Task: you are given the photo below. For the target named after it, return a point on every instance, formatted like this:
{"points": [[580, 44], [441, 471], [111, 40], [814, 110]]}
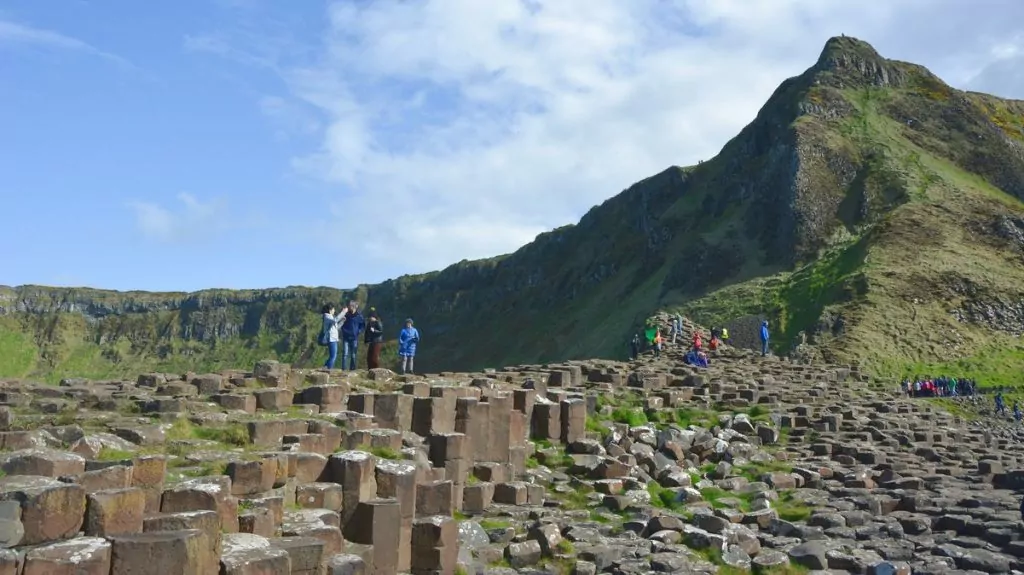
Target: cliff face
{"points": [[858, 180]]}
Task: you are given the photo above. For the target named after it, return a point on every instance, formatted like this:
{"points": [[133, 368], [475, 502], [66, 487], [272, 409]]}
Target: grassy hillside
{"points": [[935, 284], [112, 337], [869, 210]]}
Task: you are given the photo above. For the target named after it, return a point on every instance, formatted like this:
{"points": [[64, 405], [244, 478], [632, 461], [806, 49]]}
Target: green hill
{"points": [[869, 210]]}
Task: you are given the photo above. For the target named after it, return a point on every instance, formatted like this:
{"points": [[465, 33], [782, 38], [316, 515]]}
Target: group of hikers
{"points": [[654, 341], [1001, 407], [938, 387], [953, 387], [346, 327], [696, 355]]}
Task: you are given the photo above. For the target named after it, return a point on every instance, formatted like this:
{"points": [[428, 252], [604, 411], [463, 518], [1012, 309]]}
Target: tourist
{"points": [[374, 340], [657, 343], [634, 347], [350, 330], [696, 358], [764, 338], [697, 344], [329, 334], [407, 340], [1000, 406]]}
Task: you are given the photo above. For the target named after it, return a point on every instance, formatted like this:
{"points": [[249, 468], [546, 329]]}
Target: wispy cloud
{"points": [[464, 128], [14, 33], [166, 224]]}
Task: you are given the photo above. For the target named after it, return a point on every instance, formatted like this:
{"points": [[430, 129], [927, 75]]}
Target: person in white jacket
{"points": [[329, 334]]}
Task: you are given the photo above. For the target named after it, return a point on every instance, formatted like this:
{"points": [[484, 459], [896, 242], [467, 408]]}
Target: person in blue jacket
{"points": [[764, 338], [407, 340], [350, 330]]}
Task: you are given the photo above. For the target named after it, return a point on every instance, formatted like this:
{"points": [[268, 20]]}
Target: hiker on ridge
{"points": [[764, 338], [407, 340], [350, 330], [329, 334], [374, 340]]}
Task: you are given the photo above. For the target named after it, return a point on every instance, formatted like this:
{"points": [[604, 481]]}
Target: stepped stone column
{"points": [[354, 471], [573, 419], [435, 546], [393, 411], [472, 418], [397, 480], [377, 522], [547, 421], [500, 437], [451, 452]]}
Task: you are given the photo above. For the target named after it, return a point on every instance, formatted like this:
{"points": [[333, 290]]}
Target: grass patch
{"points": [[577, 499], [663, 497], [207, 468], [754, 471], [596, 426], [490, 524], [555, 458], [687, 416], [234, 434], [381, 452], [110, 454], [634, 417], [790, 509], [721, 499]]}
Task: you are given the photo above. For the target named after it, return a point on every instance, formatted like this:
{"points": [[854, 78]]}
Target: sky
{"points": [[260, 143]]}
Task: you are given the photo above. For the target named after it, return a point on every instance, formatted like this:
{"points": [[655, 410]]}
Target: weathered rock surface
{"points": [[589, 467]]}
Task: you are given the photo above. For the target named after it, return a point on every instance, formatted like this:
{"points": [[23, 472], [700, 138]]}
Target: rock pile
{"points": [[755, 464]]}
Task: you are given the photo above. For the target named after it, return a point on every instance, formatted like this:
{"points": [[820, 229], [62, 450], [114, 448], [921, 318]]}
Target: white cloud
{"points": [[467, 127], [160, 223], [14, 33]]}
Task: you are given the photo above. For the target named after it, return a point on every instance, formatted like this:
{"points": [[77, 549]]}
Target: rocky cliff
{"points": [[868, 203]]}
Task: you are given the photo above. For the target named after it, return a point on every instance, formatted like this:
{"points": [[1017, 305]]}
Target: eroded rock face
{"points": [[591, 466]]}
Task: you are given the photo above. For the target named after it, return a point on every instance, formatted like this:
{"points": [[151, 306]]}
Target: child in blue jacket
{"points": [[407, 340]]}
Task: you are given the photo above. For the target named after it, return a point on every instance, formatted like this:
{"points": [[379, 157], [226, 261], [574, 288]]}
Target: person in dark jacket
{"points": [[634, 347], [350, 330], [374, 340]]}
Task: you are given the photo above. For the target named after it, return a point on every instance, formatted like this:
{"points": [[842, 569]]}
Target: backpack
{"points": [[324, 338]]}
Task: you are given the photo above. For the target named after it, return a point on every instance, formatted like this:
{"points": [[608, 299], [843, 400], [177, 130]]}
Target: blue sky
{"points": [[255, 143]]}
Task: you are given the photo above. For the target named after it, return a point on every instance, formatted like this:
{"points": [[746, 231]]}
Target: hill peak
{"points": [[846, 61], [839, 49]]}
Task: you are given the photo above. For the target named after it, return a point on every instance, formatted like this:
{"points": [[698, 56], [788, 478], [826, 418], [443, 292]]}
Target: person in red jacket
{"points": [[696, 340]]}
